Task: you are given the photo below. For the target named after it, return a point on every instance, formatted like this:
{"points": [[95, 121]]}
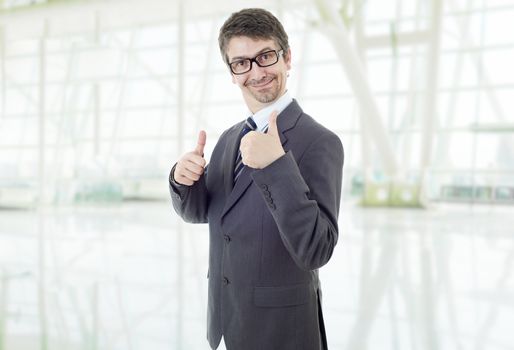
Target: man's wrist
{"points": [[172, 177], [274, 160]]}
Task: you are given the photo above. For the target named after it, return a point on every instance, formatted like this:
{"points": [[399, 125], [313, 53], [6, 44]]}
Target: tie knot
{"points": [[249, 125]]}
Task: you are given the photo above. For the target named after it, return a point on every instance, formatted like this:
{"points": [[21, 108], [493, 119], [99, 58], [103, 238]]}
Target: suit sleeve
{"points": [[190, 202], [304, 200]]}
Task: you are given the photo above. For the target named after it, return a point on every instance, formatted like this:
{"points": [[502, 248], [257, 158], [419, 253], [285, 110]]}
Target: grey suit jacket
{"points": [[269, 234]]}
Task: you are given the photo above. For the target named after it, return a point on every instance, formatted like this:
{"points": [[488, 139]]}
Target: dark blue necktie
{"points": [[248, 126]]}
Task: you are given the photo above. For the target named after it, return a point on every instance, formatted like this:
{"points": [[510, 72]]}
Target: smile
{"points": [[263, 84]]}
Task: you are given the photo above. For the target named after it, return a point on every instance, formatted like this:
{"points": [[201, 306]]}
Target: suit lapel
{"points": [[240, 187], [286, 121], [229, 157]]}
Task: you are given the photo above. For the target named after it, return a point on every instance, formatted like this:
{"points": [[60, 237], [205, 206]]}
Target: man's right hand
{"points": [[191, 166]]}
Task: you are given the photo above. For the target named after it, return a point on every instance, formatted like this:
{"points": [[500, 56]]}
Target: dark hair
{"points": [[254, 23]]}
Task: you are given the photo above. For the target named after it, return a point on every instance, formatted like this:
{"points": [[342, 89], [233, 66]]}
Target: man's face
{"points": [[260, 86]]}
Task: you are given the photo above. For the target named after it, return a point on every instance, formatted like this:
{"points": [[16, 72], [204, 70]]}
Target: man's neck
{"points": [[261, 106], [261, 117]]}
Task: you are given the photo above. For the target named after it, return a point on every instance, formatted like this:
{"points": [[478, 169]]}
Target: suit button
{"points": [[264, 187], [226, 238], [225, 281]]}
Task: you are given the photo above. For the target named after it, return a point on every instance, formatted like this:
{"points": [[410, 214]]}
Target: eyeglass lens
{"points": [[265, 59]]}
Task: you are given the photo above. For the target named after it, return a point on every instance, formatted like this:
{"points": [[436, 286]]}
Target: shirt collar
{"points": [[261, 118]]}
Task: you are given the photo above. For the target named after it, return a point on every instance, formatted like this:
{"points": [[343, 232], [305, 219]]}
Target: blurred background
{"points": [[99, 98]]}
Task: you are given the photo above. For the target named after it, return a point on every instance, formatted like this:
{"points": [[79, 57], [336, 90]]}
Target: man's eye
{"points": [[240, 63]]}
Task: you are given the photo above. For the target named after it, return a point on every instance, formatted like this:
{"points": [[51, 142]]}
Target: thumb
{"points": [[200, 145], [272, 124]]}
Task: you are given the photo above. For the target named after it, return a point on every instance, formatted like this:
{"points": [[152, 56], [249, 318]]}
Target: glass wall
{"points": [[93, 115]]}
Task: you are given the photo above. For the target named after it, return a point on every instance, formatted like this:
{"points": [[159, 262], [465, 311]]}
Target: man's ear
{"points": [[287, 59]]}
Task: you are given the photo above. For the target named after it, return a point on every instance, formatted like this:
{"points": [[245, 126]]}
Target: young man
{"points": [[271, 196]]}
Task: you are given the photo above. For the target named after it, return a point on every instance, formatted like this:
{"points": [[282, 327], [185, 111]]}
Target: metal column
{"points": [[180, 146], [338, 35], [2, 72], [42, 192], [430, 116]]}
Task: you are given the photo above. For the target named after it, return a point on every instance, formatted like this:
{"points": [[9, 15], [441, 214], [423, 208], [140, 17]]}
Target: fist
{"points": [[259, 150], [191, 165]]}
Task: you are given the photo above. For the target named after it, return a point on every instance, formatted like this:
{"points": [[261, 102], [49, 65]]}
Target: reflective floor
{"points": [[133, 277]]}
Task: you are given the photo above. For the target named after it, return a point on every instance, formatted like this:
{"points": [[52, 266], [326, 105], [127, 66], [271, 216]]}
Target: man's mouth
{"points": [[263, 83]]}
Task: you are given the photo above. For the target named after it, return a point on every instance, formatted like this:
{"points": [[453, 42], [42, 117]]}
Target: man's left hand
{"points": [[259, 150]]}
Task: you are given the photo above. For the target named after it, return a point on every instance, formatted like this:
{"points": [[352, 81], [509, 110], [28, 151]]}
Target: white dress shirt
{"points": [[261, 118]]}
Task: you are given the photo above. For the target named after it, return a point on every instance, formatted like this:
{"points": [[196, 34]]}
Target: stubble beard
{"points": [[267, 96]]}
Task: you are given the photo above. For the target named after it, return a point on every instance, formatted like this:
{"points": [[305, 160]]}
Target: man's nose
{"points": [[257, 73]]}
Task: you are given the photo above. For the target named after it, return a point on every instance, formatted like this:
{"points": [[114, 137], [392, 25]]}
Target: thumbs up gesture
{"points": [[192, 164], [259, 150]]}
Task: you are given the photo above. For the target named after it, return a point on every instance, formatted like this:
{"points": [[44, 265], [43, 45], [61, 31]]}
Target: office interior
{"points": [[99, 98]]}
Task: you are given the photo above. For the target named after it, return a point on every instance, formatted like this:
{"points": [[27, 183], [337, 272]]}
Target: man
{"points": [[271, 198]]}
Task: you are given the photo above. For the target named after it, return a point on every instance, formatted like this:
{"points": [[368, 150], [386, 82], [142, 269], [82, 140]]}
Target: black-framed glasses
{"points": [[264, 59]]}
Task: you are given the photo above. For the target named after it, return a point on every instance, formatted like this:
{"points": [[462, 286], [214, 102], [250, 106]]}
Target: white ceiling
{"points": [[79, 16]]}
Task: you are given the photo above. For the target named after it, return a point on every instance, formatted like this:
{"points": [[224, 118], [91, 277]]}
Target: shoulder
{"points": [[316, 129], [321, 139], [230, 133], [311, 131]]}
